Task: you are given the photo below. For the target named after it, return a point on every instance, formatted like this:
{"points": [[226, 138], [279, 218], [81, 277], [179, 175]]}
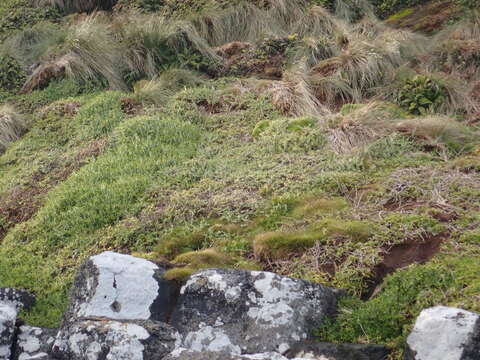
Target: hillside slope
{"points": [[274, 136]]}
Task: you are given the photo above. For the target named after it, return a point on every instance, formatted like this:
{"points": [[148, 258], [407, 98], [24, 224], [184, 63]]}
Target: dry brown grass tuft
{"points": [[12, 126]]}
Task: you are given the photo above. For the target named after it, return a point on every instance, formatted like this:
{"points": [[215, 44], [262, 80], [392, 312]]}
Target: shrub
{"points": [[421, 95], [12, 75], [18, 14]]}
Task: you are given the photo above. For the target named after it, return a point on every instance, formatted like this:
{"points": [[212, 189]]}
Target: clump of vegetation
{"points": [[19, 14], [387, 318], [12, 75], [12, 126], [439, 131], [197, 260], [283, 244], [421, 95]]}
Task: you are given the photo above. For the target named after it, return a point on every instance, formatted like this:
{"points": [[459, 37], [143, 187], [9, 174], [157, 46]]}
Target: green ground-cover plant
{"points": [[421, 95]]}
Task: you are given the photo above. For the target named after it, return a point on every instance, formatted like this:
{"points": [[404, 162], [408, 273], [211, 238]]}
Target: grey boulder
{"points": [[34, 343], [444, 333], [17, 298], [8, 318], [183, 354], [121, 287], [323, 350], [249, 312], [114, 340]]}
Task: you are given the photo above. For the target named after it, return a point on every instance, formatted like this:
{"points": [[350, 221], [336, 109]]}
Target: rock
{"points": [[114, 340], [19, 299], [183, 354], [8, 318], [121, 287], [444, 333], [322, 350], [240, 312], [34, 343]]}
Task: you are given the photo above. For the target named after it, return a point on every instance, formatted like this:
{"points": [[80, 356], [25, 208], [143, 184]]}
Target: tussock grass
{"points": [[12, 126], [35, 44], [92, 54], [153, 43], [158, 90], [438, 130]]}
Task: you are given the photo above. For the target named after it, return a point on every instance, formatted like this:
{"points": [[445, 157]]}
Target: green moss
{"points": [[300, 123], [280, 245], [179, 274], [315, 205], [400, 15], [349, 108], [179, 241], [203, 259]]}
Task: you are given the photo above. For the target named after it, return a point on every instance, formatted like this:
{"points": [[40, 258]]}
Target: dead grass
{"points": [[12, 126]]}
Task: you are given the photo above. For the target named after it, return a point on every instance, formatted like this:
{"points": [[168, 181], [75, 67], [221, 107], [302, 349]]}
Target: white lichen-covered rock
{"points": [[8, 318], [445, 333], [33, 343], [20, 299], [121, 287], [244, 312], [114, 340]]}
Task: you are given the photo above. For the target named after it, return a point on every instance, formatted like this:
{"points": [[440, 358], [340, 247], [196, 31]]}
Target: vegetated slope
{"points": [[279, 137]]}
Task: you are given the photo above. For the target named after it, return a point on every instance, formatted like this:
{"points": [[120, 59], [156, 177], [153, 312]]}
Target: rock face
{"points": [[183, 354], [321, 350], [114, 340], [121, 308], [445, 333], [8, 317], [242, 312], [16, 298], [34, 343], [121, 287]]}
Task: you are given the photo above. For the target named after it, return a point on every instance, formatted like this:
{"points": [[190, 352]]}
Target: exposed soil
{"points": [[399, 256], [427, 18], [131, 106]]}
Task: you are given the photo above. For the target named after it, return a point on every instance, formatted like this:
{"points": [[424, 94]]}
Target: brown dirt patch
{"points": [[428, 17], [399, 256], [232, 48], [131, 106]]}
